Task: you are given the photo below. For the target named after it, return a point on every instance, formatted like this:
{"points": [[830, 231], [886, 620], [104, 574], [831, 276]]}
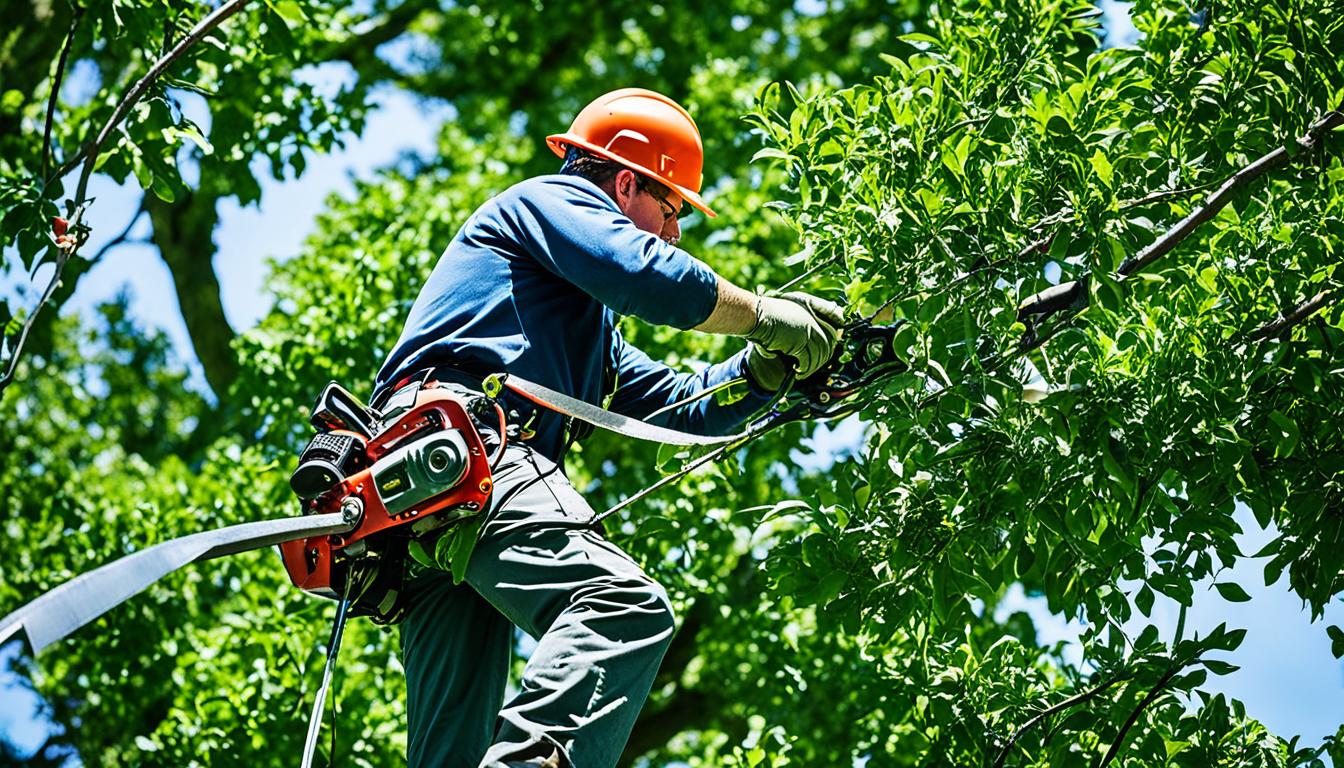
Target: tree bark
{"points": [[184, 231]]}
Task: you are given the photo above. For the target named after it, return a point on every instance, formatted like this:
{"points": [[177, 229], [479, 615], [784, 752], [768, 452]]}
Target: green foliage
{"points": [[241, 78]]}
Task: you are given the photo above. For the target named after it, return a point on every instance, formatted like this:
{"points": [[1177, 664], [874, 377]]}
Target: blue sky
{"points": [[1288, 678]]}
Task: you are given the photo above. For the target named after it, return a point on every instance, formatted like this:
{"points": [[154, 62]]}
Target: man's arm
{"points": [[792, 333], [734, 311], [644, 385]]}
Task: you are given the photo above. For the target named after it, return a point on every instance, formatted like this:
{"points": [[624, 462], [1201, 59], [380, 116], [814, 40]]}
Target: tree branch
{"points": [[128, 101], [1296, 315], [1134, 716], [62, 257], [1220, 198], [1060, 707], [56, 89], [359, 48], [124, 236], [183, 231], [87, 156], [1067, 295]]}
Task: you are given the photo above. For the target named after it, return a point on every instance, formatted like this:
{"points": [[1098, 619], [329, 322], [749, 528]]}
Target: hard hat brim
{"points": [[557, 144]]}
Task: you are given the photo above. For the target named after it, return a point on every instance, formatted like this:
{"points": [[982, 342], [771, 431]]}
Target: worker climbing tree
{"points": [[994, 303]]}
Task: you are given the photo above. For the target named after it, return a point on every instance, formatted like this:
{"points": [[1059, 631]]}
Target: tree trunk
{"points": [[184, 232]]}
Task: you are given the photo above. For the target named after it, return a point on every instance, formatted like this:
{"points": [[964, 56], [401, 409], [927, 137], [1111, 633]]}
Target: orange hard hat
{"points": [[644, 131]]}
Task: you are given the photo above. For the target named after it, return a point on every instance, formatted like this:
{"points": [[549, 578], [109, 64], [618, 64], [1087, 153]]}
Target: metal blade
{"points": [[62, 610]]}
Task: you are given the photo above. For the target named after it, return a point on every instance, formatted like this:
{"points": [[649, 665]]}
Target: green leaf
{"points": [[290, 11], [1102, 166], [1287, 436], [1114, 469], [162, 188], [732, 393], [1220, 667], [1232, 592], [192, 134], [817, 550], [1336, 640], [1221, 639], [1144, 600], [1174, 747], [771, 152], [830, 587], [919, 40]]}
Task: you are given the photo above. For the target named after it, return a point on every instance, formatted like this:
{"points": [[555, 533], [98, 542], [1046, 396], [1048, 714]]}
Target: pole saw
{"points": [[372, 480]]}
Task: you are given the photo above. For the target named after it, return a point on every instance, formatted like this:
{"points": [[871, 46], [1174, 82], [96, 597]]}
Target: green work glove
{"points": [[767, 369], [794, 331]]}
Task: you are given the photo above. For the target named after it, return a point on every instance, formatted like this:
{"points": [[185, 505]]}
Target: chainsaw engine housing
{"points": [[424, 468]]}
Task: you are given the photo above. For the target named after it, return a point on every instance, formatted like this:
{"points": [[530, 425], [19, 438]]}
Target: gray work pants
{"points": [[601, 625]]}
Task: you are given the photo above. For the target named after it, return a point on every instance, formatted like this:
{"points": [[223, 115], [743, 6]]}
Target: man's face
{"points": [[647, 210]]}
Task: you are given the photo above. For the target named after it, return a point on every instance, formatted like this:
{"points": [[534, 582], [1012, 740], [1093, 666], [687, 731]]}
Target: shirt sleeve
{"points": [[575, 231], [644, 386]]}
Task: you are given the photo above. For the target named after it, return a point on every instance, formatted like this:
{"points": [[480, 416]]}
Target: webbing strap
{"points": [[598, 417], [62, 610]]}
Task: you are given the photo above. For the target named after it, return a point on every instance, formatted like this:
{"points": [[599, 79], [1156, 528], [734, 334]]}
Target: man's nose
{"points": [[672, 230]]}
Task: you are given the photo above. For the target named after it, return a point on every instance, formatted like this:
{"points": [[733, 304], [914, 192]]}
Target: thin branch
{"points": [[121, 238], [89, 154], [28, 322], [56, 89], [1296, 315], [1066, 215], [205, 27], [1060, 707], [1134, 716], [1164, 194]]}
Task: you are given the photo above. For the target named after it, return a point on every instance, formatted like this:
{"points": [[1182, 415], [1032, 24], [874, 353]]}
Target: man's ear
{"points": [[625, 187]]}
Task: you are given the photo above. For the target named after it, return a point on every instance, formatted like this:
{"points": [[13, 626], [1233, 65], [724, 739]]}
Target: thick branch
{"points": [[1219, 199], [360, 48], [1067, 295]]}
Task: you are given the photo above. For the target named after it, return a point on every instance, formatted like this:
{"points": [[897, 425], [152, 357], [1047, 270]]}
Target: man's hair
{"points": [[600, 170]]}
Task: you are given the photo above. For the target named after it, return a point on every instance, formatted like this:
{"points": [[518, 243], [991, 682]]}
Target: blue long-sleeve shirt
{"points": [[532, 284]]}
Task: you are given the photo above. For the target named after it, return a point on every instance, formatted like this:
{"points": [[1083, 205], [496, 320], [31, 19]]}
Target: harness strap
{"points": [[598, 417]]}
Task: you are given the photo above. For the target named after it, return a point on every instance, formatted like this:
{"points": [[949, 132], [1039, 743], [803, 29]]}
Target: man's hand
{"points": [[794, 332], [767, 369]]}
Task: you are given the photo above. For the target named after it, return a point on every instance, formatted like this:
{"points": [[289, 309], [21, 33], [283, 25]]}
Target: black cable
{"points": [[335, 689]]}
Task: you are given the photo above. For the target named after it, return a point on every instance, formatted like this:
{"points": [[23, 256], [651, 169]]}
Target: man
{"points": [[532, 285]]}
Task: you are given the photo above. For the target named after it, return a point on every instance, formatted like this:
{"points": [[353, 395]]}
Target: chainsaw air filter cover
{"points": [[329, 457]]}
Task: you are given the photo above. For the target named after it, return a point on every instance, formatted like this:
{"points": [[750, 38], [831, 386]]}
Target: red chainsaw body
{"points": [[436, 413]]}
